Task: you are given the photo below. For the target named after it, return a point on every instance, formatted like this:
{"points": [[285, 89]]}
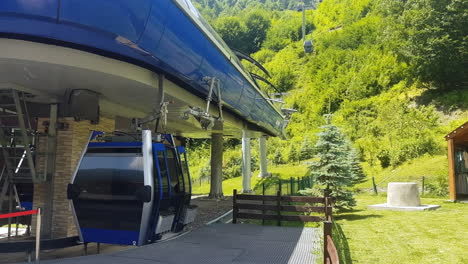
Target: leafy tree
{"points": [[435, 40], [244, 33], [257, 24], [332, 168], [232, 164], [233, 31]]}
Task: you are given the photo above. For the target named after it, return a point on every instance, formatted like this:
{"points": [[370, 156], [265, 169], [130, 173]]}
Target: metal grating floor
{"points": [[222, 243]]}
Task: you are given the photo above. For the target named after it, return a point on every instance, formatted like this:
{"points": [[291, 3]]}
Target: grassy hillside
{"points": [[434, 169], [392, 73]]}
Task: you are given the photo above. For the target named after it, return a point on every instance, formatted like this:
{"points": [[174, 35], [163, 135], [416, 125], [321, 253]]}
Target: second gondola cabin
{"points": [[130, 190]]}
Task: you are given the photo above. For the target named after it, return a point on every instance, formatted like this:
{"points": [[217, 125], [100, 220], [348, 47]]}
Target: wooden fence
{"points": [[273, 207]]}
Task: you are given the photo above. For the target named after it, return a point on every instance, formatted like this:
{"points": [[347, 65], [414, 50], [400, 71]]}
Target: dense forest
{"points": [[392, 73]]}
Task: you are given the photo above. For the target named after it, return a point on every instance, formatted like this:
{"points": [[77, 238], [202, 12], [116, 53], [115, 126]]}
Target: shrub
{"points": [[439, 187]]}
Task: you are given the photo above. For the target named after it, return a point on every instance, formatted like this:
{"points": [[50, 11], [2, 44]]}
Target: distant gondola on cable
{"points": [[131, 189]]}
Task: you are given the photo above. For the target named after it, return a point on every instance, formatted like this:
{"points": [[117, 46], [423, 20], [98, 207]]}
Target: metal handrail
{"points": [[38, 211]]}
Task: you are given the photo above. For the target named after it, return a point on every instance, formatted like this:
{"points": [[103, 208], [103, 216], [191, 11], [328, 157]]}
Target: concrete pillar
{"points": [[216, 186], [262, 144], [70, 143], [246, 168]]}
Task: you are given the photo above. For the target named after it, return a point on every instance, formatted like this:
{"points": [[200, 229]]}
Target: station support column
{"points": [[262, 144], [246, 166], [217, 141]]}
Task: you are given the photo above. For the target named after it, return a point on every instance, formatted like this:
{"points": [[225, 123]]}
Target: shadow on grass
{"points": [[341, 243], [352, 217], [270, 184]]}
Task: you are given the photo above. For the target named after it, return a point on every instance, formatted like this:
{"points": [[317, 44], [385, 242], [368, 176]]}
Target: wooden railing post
{"points": [[422, 186], [235, 210], [325, 204], [327, 231], [374, 186], [328, 209], [278, 205], [291, 182]]}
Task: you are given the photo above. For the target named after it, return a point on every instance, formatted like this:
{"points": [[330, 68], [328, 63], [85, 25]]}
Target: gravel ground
{"points": [[207, 210]]}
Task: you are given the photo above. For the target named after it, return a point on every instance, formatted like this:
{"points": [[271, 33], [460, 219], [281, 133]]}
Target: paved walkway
{"points": [[221, 243]]}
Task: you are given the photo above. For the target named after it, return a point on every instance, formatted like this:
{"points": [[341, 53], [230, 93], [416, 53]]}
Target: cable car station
{"points": [[95, 112]]}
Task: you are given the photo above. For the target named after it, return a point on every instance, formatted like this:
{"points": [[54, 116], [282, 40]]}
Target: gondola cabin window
{"points": [[163, 171], [185, 171], [177, 181], [108, 184]]}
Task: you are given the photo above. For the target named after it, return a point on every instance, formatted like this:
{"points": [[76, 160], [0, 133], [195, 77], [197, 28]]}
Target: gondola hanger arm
{"points": [[203, 116]]}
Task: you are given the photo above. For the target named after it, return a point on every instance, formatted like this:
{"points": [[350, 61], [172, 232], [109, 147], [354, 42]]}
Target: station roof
{"points": [[459, 135]]}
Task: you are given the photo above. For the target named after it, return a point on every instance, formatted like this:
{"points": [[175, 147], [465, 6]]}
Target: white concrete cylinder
{"points": [[246, 168], [263, 157], [403, 194]]}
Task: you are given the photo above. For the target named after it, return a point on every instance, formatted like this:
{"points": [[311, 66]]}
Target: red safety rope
{"points": [[18, 214]]}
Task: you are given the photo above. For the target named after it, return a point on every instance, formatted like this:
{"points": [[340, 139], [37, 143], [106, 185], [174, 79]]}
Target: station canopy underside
{"points": [[53, 74]]}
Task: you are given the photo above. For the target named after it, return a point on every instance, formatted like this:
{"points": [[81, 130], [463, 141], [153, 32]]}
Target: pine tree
{"points": [[293, 154], [332, 169], [357, 173], [306, 150], [278, 158]]}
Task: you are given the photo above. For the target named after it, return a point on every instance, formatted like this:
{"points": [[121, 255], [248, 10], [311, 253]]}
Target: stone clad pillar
{"points": [[246, 168], [71, 139], [262, 144]]}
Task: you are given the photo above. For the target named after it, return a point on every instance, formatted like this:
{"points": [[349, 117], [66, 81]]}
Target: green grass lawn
{"points": [[369, 236]]}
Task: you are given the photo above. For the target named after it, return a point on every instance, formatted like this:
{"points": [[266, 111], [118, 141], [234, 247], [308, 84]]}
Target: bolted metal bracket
{"points": [[159, 113], [206, 120], [203, 116], [59, 125]]}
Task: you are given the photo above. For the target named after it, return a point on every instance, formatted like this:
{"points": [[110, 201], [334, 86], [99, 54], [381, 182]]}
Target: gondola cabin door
{"points": [[112, 192], [130, 193], [174, 198]]}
